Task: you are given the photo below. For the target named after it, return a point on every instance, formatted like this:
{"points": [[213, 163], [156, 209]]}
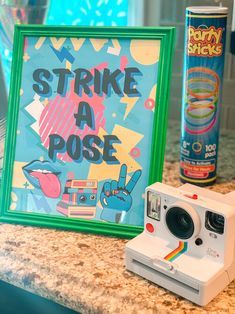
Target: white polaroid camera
{"points": [[188, 242]]}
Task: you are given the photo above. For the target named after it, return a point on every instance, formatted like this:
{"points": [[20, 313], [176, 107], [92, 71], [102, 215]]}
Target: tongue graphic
{"points": [[49, 182]]}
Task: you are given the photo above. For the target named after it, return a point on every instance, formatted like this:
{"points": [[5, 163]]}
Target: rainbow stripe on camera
{"points": [[181, 249]]}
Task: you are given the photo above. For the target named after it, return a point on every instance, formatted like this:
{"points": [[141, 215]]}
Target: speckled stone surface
{"points": [[87, 273]]}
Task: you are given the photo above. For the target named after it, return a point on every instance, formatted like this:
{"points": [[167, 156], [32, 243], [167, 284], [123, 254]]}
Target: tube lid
{"points": [[208, 9]]}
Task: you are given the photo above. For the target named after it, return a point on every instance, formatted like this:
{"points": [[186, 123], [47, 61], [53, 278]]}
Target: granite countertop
{"points": [[86, 272]]}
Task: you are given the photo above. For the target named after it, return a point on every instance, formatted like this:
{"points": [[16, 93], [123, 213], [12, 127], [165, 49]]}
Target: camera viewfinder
{"points": [[153, 205], [214, 222]]}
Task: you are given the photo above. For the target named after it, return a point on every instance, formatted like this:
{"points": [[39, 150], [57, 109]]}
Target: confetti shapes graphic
{"points": [[116, 49], [150, 101], [35, 109], [98, 43], [145, 52], [88, 12], [63, 54], [130, 103]]}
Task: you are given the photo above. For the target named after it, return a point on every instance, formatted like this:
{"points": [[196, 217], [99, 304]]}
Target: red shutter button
{"points": [[149, 227], [193, 197]]}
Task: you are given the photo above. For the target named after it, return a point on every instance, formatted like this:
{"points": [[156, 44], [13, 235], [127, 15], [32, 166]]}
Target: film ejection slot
{"points": [[153, 205]]}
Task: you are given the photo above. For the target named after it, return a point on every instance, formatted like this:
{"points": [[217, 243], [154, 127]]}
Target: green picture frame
{"points": [[21, 139]]}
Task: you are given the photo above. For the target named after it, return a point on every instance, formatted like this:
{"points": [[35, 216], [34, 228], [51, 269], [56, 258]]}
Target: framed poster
{"points": [[86, 126]]}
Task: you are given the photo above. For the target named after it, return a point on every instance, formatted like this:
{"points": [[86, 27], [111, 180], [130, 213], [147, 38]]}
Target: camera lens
{"points": [[215, 222], [82, 198], [180, 223]]}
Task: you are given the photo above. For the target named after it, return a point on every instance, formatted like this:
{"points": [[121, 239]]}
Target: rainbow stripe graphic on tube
{"points": [[202, 100], [205, 34]]}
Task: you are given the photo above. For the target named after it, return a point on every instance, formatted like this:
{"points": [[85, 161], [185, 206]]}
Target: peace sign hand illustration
{"points": [[116, 195]]}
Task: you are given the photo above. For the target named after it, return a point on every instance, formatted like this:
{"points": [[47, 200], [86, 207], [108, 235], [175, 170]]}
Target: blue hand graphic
{"points": [[116, 195]]}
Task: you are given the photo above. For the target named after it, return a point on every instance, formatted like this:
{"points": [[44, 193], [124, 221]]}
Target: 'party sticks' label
{"points": [[205, 42]]}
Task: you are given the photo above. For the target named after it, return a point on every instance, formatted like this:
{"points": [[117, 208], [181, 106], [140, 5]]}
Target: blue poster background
{"points": [[129, 118]]}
